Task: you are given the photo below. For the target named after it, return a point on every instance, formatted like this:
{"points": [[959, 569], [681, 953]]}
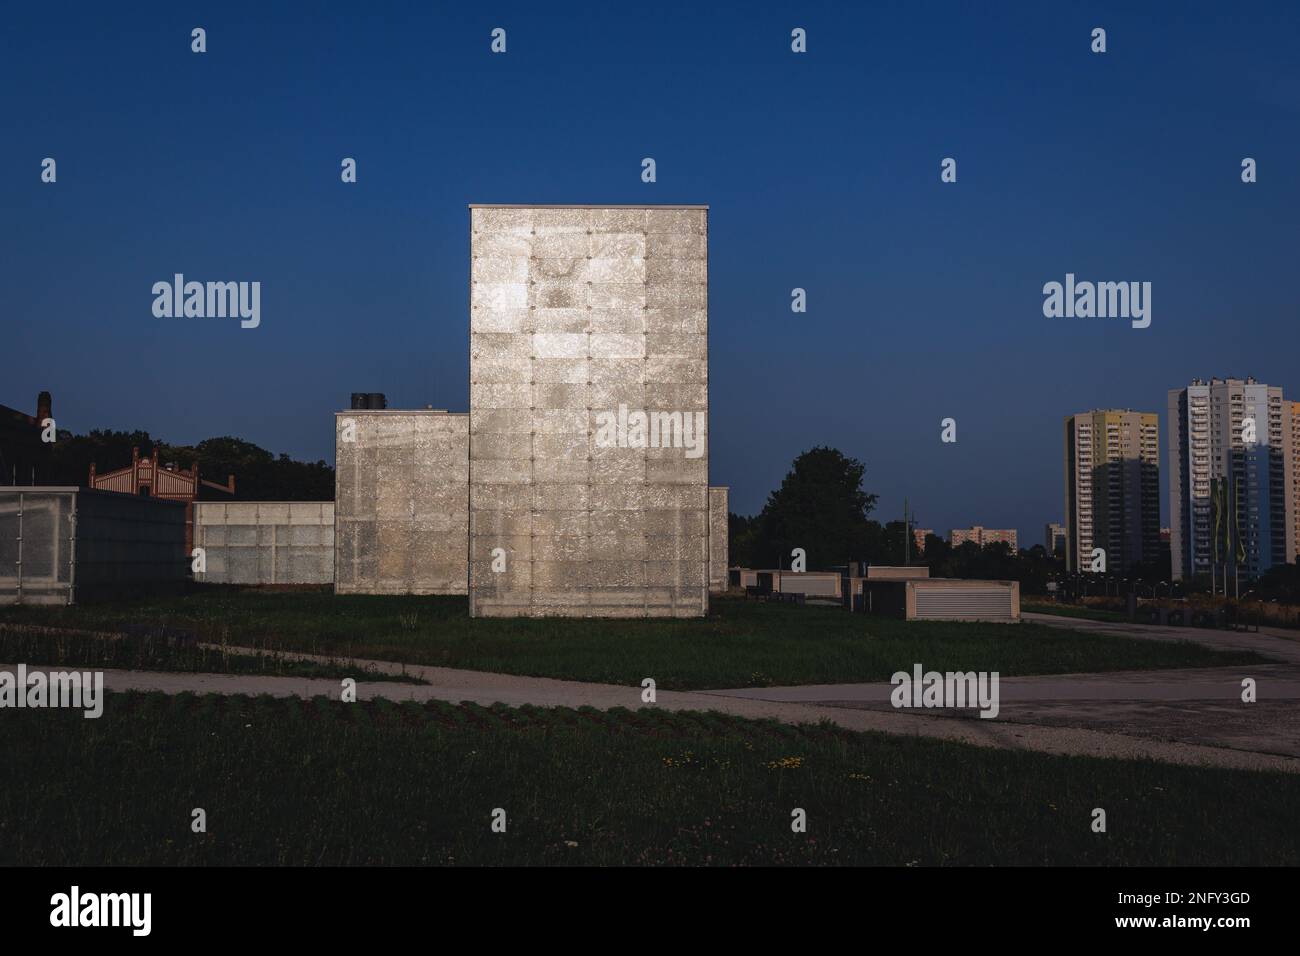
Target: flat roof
{"points": [[398, 411], [8, 490], [35, 488], [262, 501], [567, 205]]}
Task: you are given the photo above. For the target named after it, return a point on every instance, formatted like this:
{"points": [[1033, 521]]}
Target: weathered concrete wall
{"points": [[718, 541], [401, 496], [265, 542], [575, 312]]}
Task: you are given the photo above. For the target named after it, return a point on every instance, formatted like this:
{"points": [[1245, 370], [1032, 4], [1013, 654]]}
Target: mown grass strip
{"points": [[740, 644], [345, 784]]}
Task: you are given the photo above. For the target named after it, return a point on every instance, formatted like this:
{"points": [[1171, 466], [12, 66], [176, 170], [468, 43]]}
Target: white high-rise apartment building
{"points": [[1291, 424], [1238, 433]]}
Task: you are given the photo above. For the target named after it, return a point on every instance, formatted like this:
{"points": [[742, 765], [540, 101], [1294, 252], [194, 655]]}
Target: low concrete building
{"points": [[401, 496], [813, 584], [942, 599], [265, 542], [949, 599], [903, 592], [65, 545], [885, 572]]}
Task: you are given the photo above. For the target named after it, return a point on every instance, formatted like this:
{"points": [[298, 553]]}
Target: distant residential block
{"points": [[1054, 538], [1112, 488], [983, 536], [1291, 410], [1236, 436]]}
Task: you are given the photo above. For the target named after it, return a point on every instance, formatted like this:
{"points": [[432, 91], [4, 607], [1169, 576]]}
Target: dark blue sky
{"points": [[822, 171]]}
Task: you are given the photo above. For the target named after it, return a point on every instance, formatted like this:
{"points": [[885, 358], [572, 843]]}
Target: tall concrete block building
{"points": [[1055, 538], [1112, 488], [588, 458], [401, 515], [1291, 425], [1234, 432]]}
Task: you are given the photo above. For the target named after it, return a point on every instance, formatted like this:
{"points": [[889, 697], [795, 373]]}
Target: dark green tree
{"points": [[742, 533], [107, 449], [938, 553], [259, 475], [821, 507]]}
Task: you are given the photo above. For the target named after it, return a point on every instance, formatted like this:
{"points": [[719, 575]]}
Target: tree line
{"points": [[259, 474], [823, 507]]}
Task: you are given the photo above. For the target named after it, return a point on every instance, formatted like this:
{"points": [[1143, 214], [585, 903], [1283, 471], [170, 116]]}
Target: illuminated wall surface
{"points": [[265, 542], [718, 508], [401, 518], [575, 312]]}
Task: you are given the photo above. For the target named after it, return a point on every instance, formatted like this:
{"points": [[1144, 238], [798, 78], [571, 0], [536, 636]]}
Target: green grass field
{"points": [[740, 643], [158, 653], [322, 782], [1075, 610]]}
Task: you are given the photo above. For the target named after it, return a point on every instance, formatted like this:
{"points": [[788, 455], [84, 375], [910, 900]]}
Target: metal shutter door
{"points": [[948, 604]]}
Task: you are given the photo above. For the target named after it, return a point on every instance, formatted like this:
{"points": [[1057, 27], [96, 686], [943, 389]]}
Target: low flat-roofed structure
{"points": [[66, 545], [884, 572], [953, 599], [938, 599], [813, 584]]}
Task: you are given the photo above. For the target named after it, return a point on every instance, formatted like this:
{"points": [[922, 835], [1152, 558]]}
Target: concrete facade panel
{"points": [[718, 538], [402, 489], [613, 324], [265, 542]]}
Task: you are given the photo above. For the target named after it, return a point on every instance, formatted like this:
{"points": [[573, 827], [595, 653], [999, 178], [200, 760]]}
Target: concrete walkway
{"points": [[841, 705], [1197, 707], [1273, 682]]}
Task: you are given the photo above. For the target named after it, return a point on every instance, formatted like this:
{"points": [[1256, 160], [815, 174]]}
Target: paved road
{"points": [[452, 685], [1196, 706], [1272, 681]]}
